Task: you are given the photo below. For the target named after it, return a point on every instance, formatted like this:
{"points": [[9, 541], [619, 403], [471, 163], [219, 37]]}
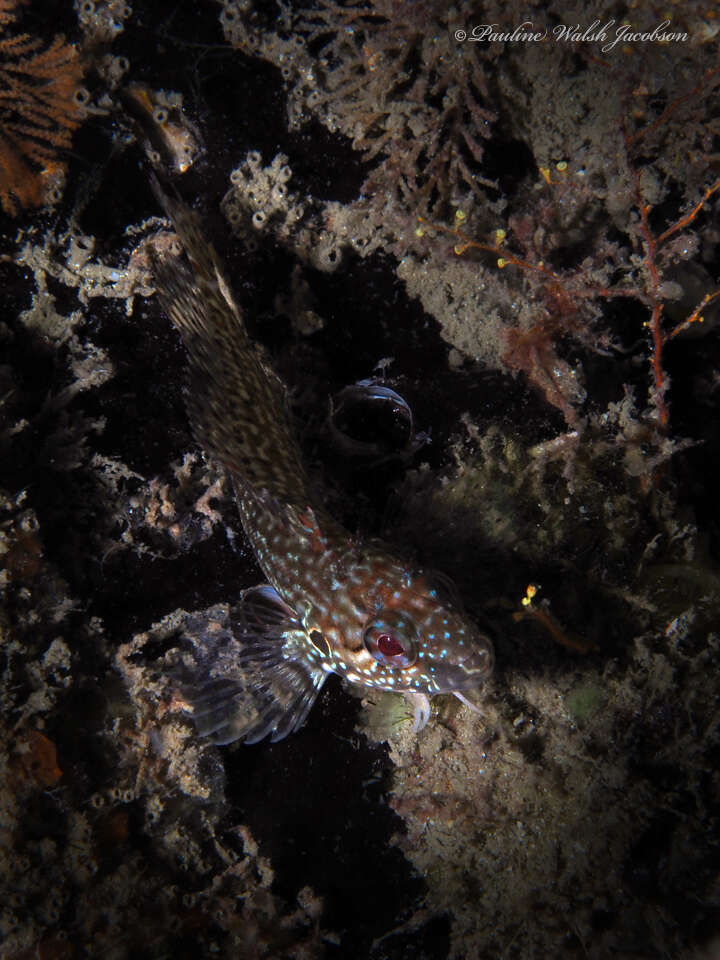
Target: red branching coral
{"points": [[566, 301], [38, 113]]}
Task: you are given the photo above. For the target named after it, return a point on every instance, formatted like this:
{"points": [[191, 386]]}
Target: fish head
{"points": [[429, 648], [412, 640]]}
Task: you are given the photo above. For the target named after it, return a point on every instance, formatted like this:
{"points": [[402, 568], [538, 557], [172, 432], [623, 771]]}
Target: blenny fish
{"points": [[333, 602]]}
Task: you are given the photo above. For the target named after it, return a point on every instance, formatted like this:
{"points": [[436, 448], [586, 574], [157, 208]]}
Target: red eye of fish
{"points": [[392, 639], [388, 645]]}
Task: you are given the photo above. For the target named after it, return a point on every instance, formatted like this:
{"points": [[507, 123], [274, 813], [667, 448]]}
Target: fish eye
{"points": [[392, 639]]}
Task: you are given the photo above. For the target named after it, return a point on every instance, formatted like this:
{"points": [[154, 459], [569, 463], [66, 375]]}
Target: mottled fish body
{"points": [[332, 603]]}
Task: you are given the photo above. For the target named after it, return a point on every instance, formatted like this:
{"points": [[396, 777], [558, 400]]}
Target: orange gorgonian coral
{"points": [[39, 111]]}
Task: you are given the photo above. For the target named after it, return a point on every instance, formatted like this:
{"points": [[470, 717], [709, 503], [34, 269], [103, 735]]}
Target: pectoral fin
{"points": [[255, 677]]}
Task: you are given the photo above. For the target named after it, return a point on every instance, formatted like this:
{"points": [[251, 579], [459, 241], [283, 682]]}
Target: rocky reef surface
{"points": [[517, 235]]}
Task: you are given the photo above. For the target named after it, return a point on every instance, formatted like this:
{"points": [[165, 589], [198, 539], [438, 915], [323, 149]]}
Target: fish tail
{"points": [[236, 405]]}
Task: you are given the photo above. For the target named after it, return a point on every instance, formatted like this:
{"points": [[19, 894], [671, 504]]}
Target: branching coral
{"points": [[565, 299], [623, 183], [389, 76], [392, 77], [40, 107]]}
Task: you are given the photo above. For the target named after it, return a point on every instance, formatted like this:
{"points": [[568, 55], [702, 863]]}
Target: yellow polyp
{"points": [[530, 592], [561, 165], [502, 262], [500, 235], [700, 319], [545, 171], [420, 232], [460, 215], [460, 248]]}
